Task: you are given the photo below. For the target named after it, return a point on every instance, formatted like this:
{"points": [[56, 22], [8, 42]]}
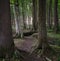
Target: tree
{"points": [[17, 17], [35, 14], [50, 15], [42, 31], [18, 21], [56, 24], [6, 39], [24, 13]]}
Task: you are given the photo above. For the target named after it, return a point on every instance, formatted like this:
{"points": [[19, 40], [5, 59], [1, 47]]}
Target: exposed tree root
{"points": [[46, 51]]}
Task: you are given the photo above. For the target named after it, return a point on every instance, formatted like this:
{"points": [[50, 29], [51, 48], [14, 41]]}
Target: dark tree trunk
{"points": [[35, 26], [6, 40], [56, 24], [42, 32], [50, 15]]}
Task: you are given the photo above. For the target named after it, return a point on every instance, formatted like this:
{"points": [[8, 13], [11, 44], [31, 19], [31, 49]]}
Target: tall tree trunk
{"points": [[56, 24], [6, 40], [16, 21], [17, 16], [35, 14], [50, 15], [24, 14], [42, 32]]}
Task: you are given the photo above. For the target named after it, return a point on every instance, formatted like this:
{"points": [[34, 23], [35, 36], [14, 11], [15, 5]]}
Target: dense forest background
{"points": [[30, 30]]}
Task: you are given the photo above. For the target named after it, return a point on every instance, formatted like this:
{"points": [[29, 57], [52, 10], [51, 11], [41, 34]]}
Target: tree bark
{"points": [[56, 24], [17, 16], [50, 15], [16, 22], [42, 31], [24, 14], [6, 39], [35, 26]]}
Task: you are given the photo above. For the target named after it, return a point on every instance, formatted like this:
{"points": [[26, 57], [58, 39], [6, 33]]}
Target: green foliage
{"points": [[59, 58], [12, 1], [24, 6]]}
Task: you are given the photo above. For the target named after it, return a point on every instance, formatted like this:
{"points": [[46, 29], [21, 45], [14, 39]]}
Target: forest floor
{"points": [[29, 44]]}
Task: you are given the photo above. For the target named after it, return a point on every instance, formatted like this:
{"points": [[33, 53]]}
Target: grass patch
{"points": [[53, 35], [56, 38]]}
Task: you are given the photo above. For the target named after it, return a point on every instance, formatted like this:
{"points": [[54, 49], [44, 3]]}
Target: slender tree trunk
{"points": [[6, 40], [16, 22], [29, 21], [35, 15], [23, 15], [17, 16], [56, 24], [50, 15]]}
